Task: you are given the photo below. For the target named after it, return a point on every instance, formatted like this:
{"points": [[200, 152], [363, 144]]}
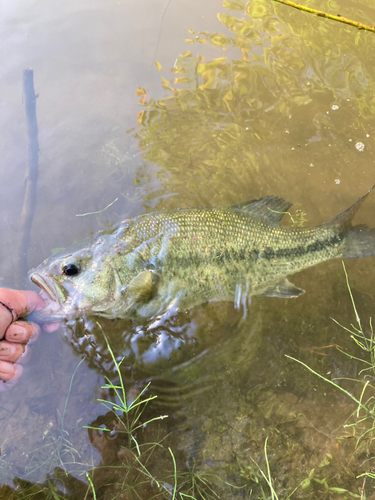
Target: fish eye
{"points": [[71, 268]]}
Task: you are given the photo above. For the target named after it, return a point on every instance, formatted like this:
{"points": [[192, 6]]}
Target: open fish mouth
{"points": [[53, 295], [46, 285]]}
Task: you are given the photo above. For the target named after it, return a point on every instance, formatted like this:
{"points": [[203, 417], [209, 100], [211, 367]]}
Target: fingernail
{"points": [[18, 333], [7, 351]]}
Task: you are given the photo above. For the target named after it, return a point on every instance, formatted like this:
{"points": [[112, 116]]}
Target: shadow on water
{"points": [[278, 102]]}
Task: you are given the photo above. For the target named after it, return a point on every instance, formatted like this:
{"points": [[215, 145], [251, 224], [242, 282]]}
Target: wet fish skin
{"points": [[188, 257]]}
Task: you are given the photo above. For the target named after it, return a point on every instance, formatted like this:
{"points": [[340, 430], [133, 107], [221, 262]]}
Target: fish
{"points": [[143, 266]]}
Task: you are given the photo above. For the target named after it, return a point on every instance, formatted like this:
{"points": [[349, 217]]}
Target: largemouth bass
{"points": [[187, 257]]}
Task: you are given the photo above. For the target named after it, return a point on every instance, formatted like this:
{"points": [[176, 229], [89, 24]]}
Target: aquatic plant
{"points": [[267, 476], [127, 414], [57, 449], [129, 474], [361, 423], [196, 484], [135, 472]]}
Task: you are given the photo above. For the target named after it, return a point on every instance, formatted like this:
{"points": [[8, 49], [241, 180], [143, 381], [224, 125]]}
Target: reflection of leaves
{"points": [[234, 4], [225, 117]]}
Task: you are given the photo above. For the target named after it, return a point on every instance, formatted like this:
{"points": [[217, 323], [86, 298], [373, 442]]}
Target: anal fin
{"points": [[284, 290]]}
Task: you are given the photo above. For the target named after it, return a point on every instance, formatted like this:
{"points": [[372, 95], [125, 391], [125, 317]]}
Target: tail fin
{"points": [[345, 219], [359, 241]]}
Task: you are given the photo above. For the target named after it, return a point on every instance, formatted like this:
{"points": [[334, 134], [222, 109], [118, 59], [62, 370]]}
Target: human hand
{"points": [[15, 333]]}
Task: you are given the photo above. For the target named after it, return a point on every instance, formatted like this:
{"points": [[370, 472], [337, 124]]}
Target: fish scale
{"points": [[223, 248]]}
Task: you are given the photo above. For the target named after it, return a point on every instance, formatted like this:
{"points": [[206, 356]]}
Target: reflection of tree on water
{"points": [[235, 120]]}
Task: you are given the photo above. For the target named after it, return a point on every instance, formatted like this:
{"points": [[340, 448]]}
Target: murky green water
{"points": [[256, 99]]}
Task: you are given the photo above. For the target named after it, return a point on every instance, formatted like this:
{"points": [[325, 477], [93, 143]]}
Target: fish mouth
{"points": [[54, 297], [47, 287]]}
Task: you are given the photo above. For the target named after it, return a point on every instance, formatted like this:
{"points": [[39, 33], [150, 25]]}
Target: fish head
{"points": [[81, 281]]}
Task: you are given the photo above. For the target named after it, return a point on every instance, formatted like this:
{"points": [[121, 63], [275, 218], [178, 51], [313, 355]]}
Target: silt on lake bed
{"points": [[181, 258]]}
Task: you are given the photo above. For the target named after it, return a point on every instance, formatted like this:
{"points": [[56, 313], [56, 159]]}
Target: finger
{"points": [[22, 332], [9, 371], [15, 353], [21, 302], [15, 304], [10, 351], [6, 318]]}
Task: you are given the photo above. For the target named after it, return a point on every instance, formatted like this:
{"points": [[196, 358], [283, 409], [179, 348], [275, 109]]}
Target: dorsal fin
{"points": [[271, 209]]}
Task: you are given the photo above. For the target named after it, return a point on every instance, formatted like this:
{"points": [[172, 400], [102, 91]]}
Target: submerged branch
{"points": [[31, 175], [338, 18]]}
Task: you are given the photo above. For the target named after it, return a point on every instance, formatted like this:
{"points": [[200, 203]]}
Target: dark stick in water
{"points": [[31, 175]]}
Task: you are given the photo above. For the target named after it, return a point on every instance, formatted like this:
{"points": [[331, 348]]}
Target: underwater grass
{"points": [[58, 447], [92, 485], [365, 412], [191, 484], [133, 472], [129, 414], [133, 411], [268, 478], [98, 211], [198, 484]]}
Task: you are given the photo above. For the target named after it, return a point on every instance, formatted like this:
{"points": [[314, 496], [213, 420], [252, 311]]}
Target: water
{"points": [[268, 100]]}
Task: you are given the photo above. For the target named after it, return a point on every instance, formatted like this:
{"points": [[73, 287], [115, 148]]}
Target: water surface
{"points": [[256, 99]]}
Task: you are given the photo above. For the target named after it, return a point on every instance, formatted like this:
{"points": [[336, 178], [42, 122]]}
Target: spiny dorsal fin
{"points": [[271, 209]]}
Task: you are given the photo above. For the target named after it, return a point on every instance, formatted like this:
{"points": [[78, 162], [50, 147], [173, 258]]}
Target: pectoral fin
{"points": [[141, 288], [284, 289]]}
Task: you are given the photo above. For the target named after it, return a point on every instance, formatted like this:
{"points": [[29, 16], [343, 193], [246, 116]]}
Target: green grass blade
{"points": [[174, 474], [352, 298], [91, 484], [330, 382]]}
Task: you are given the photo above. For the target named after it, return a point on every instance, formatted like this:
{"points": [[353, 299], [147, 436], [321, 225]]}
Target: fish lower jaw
{"points": [[51, 313]]}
